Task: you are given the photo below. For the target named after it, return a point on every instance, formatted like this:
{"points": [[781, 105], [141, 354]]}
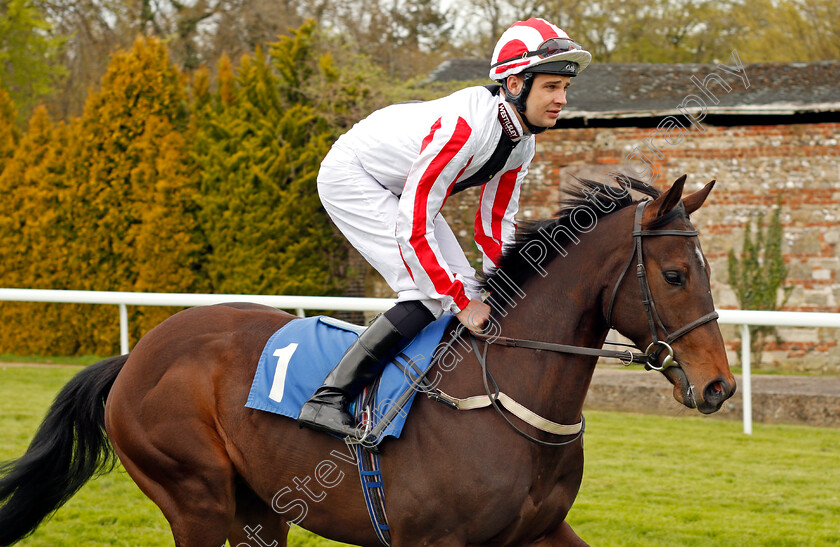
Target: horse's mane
{"points": [[517, 267]]}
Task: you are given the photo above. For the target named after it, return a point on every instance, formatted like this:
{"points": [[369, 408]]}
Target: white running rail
{"points": [[123, 299], [745, 318]]}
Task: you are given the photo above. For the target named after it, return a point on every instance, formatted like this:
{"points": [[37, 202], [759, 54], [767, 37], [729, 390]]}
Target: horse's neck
{"points": [[565, 307]]}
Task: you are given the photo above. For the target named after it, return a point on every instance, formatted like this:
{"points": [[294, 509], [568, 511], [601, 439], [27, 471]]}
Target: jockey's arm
{"points": [[446, 152]]}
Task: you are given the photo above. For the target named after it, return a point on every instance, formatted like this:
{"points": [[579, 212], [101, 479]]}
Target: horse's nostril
{"points": [[716, 391]]}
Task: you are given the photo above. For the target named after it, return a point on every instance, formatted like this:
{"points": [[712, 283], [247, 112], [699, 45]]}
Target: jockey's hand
{"points": [[475, 315]]}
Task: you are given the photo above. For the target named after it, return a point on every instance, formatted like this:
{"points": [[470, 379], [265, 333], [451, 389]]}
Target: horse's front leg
{"points": [[562, 536]]}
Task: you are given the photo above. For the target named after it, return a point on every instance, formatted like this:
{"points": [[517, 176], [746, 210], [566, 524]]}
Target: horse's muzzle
{"points": [[707, 399]]}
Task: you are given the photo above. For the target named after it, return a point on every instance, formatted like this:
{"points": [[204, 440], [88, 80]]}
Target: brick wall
{"points": [[752, 165]]}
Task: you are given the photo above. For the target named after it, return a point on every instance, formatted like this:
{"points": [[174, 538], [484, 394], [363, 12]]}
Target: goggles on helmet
{"points": [[549, 48]]}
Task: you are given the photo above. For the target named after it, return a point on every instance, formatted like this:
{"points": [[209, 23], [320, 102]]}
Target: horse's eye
{"points": [[674, 277]]}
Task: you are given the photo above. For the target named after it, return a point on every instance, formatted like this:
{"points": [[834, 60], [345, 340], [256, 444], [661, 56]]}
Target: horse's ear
{"points": [[694, 201], [669, 199]]}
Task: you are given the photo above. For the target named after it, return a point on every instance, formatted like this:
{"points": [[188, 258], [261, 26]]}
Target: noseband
{"points": [[652, 359]]}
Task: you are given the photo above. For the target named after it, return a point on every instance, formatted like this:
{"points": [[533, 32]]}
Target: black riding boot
{"points": [[363, 361], [360, 365]]}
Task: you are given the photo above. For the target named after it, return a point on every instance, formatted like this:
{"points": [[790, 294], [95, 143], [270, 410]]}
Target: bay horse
{"points": [[173, 408]]}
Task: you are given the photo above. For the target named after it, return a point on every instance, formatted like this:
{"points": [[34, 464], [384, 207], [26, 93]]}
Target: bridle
{"points": [[652, 359], [648, 358]]}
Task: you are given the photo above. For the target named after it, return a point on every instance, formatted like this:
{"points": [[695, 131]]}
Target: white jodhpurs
{"points": [[366, 213]]}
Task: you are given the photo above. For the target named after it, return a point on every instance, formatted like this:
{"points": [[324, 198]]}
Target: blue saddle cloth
{"points": [[298, 357]]}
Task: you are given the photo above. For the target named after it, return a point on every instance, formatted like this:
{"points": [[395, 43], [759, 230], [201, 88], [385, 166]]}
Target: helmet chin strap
{"points": [[518, 101]]}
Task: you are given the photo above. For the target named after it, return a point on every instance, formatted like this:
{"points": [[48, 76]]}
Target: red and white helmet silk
{"points": [[527, 44]]}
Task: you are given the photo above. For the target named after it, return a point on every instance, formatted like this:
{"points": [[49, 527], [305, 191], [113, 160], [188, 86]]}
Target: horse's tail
{"points": [[69, 448]]}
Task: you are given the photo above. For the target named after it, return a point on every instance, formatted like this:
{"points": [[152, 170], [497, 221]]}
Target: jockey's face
{"points": [[546, 99]]}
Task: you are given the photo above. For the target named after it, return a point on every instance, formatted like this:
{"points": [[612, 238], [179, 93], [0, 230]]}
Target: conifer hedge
{"points": [[165, 185], [8, 130]]}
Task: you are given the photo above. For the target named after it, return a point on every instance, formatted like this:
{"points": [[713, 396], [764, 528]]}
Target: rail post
{"points": [[745, 378], [123, 329]]}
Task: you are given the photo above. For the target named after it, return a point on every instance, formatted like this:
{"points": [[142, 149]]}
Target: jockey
{"points": [[385, 181]]}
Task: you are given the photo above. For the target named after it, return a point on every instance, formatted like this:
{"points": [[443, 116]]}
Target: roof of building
{"points": [[617, 90]]}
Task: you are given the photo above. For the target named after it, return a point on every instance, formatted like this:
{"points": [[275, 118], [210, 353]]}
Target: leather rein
{"points": [[649, 359]]}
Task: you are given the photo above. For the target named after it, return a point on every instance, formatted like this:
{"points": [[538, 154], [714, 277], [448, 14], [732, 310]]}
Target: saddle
{"points": [[299, 356]]}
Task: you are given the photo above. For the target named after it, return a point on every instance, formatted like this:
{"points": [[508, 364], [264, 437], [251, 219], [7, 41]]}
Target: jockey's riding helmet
{"points": [[533, 47]]}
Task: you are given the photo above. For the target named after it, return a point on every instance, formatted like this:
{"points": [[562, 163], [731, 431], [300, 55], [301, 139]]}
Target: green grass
{"points": [[82, 360], [693, 481], [648, 481], [109, 510]]}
